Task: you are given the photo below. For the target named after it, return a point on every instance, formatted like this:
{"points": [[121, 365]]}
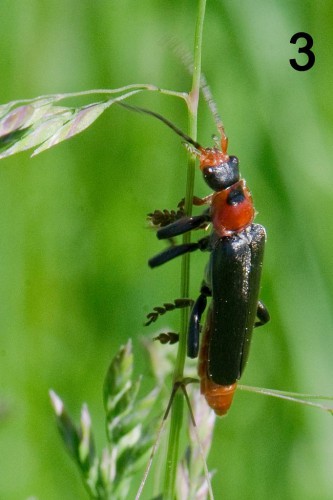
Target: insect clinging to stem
{"points": [[232, 276]]}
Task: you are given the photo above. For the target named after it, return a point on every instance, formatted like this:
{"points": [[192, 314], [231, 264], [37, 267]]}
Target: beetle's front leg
{"points": [[183, 225]]}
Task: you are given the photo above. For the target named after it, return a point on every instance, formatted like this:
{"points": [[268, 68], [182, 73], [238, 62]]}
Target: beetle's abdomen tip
{"points": [[218, 397]]}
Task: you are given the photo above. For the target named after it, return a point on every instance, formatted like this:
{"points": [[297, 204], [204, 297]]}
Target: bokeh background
{"points": [[74, 244]]}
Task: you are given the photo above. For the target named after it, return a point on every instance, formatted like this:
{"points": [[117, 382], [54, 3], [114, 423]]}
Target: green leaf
{"points": [[81, 119], [133, 458], [120, 395], [16, 119], [67, 429], [123, 407], [45, 124], [118, 377], [28, 123], [11, 140], [36, 134], [193, 480], [86, 446], [130, 434], [141, 410], [79, 442]]}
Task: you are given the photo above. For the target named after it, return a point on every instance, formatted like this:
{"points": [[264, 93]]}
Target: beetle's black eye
{"points": [[222, 176]]}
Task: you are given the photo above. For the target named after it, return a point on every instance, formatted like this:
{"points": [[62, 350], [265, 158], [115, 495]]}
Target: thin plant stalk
{"points": [[178, 404]]}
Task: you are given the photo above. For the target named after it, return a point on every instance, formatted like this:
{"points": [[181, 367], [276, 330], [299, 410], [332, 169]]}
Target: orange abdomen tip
{"points": [[218, 397]]}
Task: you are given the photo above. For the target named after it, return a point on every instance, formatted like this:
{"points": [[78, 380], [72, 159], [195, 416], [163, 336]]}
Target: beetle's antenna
{"points": [[173, 127], [187, 59], [208, 96]]}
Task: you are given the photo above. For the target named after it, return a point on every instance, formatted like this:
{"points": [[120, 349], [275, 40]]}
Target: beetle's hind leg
{"points": [[262, 314], [195, 319]]}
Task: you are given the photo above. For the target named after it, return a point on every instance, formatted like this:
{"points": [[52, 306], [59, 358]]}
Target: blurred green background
{"points": [[74, 278]]}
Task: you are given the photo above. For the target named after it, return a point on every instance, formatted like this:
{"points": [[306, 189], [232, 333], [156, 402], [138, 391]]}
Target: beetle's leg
{"points": [[160, 310], [183, 225], [167, 338], [196, 201], [162, 218], [207, 200], [174, 251], [262, 314], [194, 323]]}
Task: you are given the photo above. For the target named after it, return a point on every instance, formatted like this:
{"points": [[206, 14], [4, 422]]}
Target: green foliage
{"points": [[130, 435], [73, 246], [43, 123], [192, 470]]}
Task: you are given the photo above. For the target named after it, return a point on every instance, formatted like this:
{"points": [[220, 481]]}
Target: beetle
{"points": [[232, 278]]}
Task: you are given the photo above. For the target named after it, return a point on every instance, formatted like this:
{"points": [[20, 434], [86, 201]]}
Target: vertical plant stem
{"points": [[178, 405]]}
